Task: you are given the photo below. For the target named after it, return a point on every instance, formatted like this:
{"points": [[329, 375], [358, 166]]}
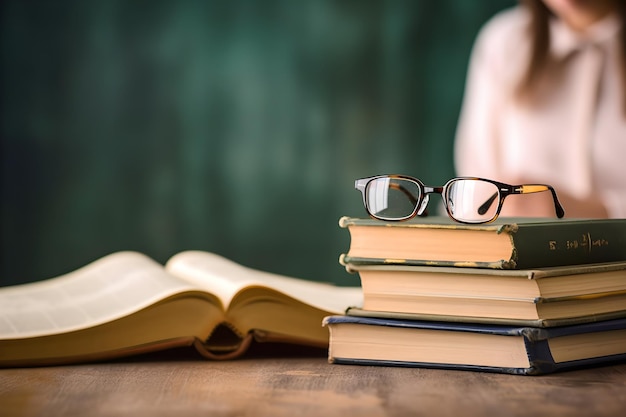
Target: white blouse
{"points": [[574, 139]]}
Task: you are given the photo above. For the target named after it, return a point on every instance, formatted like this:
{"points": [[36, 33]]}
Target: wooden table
{"points": [[179, 383]]}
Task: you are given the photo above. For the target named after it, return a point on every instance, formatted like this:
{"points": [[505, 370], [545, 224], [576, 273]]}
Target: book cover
{"points": [[540, 323], [507, 243], [545, 297], [479, 347]]}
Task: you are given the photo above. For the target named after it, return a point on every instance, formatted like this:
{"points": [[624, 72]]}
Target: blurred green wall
{"points": [[236, 127]]}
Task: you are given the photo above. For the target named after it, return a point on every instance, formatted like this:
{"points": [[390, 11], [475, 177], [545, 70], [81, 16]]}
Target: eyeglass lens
{"points": [[392, 198], [472, 200]]}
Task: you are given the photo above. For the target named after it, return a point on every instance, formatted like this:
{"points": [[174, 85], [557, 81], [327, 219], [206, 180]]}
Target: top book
{"points": [[507, 243]]}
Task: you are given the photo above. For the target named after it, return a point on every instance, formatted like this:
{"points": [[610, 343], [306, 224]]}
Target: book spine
{"points": [[568, 243], [538, 351]]}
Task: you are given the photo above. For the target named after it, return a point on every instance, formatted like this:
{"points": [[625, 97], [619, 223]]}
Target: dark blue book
{"points": [[479, 347]]}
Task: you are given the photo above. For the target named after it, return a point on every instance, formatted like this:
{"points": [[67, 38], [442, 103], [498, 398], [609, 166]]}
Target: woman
{"points": [[545, 102]]}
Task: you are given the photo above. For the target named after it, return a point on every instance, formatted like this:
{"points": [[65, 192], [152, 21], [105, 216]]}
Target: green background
{"points": [[236, 127]]}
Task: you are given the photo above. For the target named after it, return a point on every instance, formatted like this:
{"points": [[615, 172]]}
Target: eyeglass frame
{"points": [[504, 190]]}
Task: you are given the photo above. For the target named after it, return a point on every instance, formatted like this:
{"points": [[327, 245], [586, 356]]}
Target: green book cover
{"points": [[507, 243]]}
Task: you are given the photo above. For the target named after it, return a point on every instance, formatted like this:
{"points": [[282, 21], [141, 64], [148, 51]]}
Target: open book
{"points": [[126, 303]]}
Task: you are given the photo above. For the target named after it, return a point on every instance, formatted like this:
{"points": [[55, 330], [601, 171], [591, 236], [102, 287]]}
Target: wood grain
{"points": [[303, 385]]}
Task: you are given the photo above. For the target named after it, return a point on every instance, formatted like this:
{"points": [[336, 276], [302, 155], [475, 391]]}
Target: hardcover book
{"points": [[541, 297], [126, 303], [463, 346], [505, 244]]}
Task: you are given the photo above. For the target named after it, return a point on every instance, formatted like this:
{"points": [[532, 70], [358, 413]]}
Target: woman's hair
{"points": [[540, 52]]}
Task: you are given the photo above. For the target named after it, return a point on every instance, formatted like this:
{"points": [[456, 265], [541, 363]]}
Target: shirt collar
{"points": [[564, 40]]}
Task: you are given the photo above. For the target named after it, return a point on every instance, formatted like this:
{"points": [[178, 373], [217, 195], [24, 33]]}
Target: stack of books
{"points": [[520, 296]]}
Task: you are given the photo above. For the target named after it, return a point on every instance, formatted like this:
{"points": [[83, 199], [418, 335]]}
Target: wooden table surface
{"points": [[179, 383]]}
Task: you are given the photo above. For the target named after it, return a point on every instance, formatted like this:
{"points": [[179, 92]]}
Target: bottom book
{"points": [[478, 347]]}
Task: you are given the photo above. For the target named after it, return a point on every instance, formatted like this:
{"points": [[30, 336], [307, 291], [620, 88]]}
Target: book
{"points": [[127, 303], [479, 347], [542, 297], [507, 243]]}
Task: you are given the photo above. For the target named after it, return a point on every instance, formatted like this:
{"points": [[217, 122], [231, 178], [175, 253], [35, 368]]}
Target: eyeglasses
{"points": [[466, 199]]}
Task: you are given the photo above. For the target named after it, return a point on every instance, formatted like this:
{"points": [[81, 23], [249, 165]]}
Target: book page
{"points": [[105, 290], [225, 278]]}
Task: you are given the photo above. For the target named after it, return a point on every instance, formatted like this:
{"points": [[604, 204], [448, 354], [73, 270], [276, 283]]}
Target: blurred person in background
{"points": [[545, 102]]}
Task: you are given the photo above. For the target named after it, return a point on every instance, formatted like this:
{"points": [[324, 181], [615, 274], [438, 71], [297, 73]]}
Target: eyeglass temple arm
{"points": [[527, 189], [536, 188], [405, 191], [485, 206]]}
